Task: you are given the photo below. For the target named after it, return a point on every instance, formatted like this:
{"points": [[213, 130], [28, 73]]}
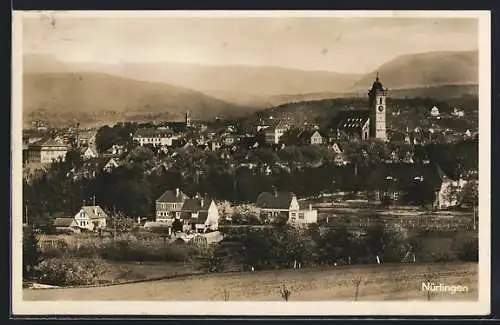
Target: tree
{"points": [[177, 225], [336, 245], [469, 196], [119, 223], [32, 255], [384, 242]]}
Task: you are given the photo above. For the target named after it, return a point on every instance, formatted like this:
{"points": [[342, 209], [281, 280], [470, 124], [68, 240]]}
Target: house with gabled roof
{"points": [[46, 151], [352, 124], [89, 152], [90, 218], [111, 164], [200, 214], [275, 132], [278, 206], [169, 204], [65, 224], [310, 136], [449, 190]]}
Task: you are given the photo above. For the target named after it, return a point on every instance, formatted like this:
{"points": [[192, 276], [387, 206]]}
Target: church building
{"points": [[364, 124]]}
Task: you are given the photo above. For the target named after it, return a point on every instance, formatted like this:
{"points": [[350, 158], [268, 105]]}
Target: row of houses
{"points": [[201, 214]]}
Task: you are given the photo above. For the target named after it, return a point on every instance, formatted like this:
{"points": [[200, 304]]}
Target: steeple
{"points": [[377, 85], [377, 102]]}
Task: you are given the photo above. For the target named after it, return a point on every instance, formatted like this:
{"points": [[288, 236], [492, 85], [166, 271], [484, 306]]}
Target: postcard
{"points": [[251, 163]]}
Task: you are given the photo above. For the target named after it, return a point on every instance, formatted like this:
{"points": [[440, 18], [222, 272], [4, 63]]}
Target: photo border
{"points": [[278, 308]]}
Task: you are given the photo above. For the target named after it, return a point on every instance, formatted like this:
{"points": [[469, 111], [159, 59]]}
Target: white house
{"points": [[311, 137], [449, 191], [277, 205], [458, 112], [274, 133], [200, 215], [339, 155], [154, 137], [90, 217], [89, 153], [46, 151], [434, 111], [110, 165]]}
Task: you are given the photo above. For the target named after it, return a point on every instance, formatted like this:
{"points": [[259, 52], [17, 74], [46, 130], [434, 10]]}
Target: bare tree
{"points": [[356, 282], [226, 295], [285, 293]]}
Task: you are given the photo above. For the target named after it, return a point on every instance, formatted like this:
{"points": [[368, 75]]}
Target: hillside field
{"points": [[378, 282]]}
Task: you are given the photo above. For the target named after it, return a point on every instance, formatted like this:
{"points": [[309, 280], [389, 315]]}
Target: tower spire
{"points": [[377, 77]]}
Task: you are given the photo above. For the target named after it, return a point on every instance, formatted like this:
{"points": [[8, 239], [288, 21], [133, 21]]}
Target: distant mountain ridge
{"points": [[235, 90], [424, 70], [97, 92]]}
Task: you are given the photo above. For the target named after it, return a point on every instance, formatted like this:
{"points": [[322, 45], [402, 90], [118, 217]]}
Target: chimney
{"points": [[177, 192]]}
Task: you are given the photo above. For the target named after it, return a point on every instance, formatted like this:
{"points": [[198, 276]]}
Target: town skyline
{"points": [[330, 44]]}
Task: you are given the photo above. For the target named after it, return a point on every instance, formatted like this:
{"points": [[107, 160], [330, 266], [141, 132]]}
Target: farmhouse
{"points": [[278, 206], [46, 151], [90, 217]]}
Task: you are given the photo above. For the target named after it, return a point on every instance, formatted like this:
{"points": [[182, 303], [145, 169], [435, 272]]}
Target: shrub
{"points": [[441, 257], [66, 272], [124, 250], [32, 255], [469, 251]]}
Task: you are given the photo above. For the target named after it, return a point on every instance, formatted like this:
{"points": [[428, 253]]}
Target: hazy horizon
{"points": [[329, 44]]}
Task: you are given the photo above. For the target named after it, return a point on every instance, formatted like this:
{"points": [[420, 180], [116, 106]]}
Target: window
{"points": [[301, 215], [381, 100], [366, 135]]}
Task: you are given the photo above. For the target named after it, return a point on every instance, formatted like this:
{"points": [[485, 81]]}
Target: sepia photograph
{"points": [[251, 163]]}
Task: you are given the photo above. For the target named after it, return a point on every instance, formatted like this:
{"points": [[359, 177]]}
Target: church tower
{"points": [[188, 118], [377, 98]]}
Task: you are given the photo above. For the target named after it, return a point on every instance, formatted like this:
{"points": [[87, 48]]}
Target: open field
{"points": [[378, 282]]}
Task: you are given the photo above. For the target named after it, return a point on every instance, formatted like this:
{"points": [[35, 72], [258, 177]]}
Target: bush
{"points": [[32, 255], [469, 252], [124, 250], [67, 272]]}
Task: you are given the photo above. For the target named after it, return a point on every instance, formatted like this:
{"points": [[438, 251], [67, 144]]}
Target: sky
{"points": [[341, 44]]}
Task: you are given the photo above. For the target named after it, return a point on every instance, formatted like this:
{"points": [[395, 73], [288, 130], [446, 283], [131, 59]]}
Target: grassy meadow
{"points": [[377, 282]]}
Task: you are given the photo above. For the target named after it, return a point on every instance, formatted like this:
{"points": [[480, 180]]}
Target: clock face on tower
{"points": [[381, 108]]}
